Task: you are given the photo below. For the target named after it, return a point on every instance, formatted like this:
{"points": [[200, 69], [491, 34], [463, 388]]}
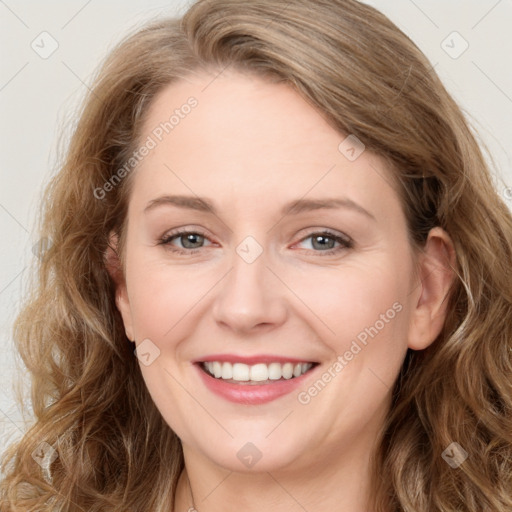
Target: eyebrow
{"points": [[295, 207]]}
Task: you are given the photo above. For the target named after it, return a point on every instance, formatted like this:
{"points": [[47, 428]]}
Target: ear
{"points": [[436, 272], [115, 269]]}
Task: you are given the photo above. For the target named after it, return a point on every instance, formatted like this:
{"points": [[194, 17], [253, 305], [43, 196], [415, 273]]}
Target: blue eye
{"points": [[190, 241], [323, 242]]}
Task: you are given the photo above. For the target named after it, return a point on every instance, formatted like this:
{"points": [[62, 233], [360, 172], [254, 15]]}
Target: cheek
{"points": [[163, 296], [343, 302], [354, 299], [342, 307], [365, 307]]}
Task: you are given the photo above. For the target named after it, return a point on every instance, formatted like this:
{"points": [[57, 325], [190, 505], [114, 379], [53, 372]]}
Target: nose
{"points": [[251, 297]]}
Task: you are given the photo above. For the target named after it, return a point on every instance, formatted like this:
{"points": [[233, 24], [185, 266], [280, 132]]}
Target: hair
{"points": [[367, 78]]}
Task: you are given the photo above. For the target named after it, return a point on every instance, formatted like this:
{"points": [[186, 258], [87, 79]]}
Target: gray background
{"points": [[40, 92]]}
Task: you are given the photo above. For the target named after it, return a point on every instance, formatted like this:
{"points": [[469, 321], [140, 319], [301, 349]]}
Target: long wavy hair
{"points": [[112, 450]]}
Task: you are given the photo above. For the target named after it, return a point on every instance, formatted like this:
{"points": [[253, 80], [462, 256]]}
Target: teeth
{"points": [[227, 371], [217, 370], [274, 371], [256, 373], [287, 371], [240, 371]]}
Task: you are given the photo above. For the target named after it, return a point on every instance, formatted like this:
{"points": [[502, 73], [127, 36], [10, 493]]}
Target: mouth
{"points": [[255, 374], [253, 380]]}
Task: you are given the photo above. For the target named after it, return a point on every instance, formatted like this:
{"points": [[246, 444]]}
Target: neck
{"points": [[339, 480]]}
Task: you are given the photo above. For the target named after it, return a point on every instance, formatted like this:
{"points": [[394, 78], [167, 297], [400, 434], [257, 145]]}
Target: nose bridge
{"points": [[250, 295]]}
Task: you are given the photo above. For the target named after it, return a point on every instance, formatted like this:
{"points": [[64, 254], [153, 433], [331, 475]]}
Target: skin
{"points": [[250, 147]]}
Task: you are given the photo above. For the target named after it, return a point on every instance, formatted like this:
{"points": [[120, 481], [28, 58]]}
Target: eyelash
{"points": [[346, 243]]}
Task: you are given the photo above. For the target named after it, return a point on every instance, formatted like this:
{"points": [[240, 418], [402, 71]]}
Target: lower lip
{"points": [[251, 394]]}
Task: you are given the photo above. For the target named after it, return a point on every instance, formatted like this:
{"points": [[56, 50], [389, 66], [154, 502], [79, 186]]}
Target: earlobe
{"points": [[123, 306], [115, 270], [436, 268]]}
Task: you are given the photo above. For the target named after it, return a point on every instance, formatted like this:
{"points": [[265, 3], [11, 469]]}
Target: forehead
{"points": [[248, 136]]}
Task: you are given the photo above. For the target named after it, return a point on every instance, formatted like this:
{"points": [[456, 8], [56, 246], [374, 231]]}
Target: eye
{"points": [[190, 241], [325, 242]]}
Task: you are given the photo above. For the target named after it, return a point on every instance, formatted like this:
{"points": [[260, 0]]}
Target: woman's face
{"points": [[295, 272]]}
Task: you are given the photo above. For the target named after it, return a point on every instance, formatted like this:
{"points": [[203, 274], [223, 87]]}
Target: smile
{"points": [[254, 380], [260, 372]]}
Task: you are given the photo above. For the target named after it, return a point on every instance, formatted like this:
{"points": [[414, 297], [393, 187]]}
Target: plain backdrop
{"points": [[50, 49]]}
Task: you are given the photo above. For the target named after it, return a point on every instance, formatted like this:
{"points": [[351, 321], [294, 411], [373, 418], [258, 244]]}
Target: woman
{"points": [[279, 279]]}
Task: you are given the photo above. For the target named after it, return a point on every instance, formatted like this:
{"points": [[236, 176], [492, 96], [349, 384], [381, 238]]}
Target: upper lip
{"points": [[251, 360]]}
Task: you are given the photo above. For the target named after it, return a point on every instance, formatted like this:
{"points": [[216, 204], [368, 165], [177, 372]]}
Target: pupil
{"points": [[195, 238], [190, 239], [324, 238]]}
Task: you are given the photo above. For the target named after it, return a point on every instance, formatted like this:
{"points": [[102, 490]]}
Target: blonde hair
{"points": [[115, 452]]}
